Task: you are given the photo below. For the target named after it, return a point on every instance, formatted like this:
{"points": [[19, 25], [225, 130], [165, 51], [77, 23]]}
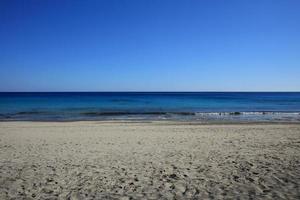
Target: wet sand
{"points": [[157, 160]]}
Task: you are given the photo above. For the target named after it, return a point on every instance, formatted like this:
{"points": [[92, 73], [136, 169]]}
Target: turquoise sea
{"points": [[200, 106]]}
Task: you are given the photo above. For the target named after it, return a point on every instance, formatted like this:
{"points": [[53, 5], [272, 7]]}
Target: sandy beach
{"points": [[148, 160]]}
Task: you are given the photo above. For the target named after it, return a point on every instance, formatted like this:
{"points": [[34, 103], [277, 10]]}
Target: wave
{"points": [[31, 113], [249, 113], [119, 113], [171, 115], [236, 113], [135, 113]]}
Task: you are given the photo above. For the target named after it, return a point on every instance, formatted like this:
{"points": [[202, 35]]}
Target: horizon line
{"points": [[249, 91]]}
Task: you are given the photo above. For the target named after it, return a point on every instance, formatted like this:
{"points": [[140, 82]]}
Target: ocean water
{"points": [[201, 106]]}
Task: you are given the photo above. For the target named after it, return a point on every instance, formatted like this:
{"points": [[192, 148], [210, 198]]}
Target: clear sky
{"points": [[150, 45]]}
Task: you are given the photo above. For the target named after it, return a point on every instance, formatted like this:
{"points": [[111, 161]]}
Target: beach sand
{"points": [[154, 160]]}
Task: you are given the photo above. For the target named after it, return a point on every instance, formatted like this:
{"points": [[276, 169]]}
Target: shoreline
{"points": [[201, 117], [164, 121]]}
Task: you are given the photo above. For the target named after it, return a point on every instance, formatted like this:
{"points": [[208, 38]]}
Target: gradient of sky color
{"points": [[150, 45]]}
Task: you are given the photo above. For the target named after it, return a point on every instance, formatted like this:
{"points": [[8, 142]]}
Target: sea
{"points": [[183, 106]]}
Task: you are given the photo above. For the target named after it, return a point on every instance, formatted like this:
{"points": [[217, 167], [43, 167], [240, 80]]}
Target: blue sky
{"points": [[150, 45]]}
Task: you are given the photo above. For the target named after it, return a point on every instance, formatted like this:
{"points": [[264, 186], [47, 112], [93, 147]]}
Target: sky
{"points": [[149, 45]]}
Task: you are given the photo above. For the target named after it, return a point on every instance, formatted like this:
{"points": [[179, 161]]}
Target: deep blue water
{"points": [[152, 105]]}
